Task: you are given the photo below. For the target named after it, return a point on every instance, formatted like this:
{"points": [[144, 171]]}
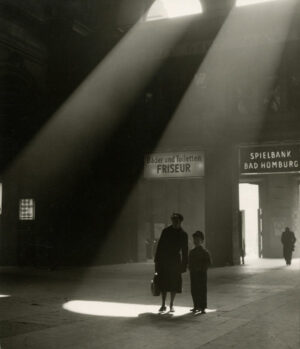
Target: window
{"points": [[26, 209], [162, 9], [241, 3]]}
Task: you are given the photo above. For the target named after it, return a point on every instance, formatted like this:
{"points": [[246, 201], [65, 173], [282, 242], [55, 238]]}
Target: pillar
{"points": [[221, 205]]}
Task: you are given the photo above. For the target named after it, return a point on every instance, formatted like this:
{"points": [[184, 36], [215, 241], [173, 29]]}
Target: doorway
{"points": [[250, 219]]}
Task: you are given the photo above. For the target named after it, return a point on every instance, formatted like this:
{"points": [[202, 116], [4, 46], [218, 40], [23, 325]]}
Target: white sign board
{"points": [[174, 165]]}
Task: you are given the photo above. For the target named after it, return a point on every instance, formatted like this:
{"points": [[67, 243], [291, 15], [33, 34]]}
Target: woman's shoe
{"points": [[162, 308], [193, 310], [172, 310]]}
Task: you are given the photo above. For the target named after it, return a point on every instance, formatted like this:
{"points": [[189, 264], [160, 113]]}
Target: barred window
{"points": [[26, 209]]}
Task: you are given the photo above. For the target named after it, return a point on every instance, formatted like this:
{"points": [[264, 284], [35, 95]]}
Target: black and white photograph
{"points": [[149, 174]]}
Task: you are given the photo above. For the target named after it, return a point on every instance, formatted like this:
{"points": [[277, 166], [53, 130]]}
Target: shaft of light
{"points": [[80, 128]]}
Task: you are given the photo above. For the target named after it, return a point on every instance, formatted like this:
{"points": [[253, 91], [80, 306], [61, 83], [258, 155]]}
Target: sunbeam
{"points": [[233, 58], [81, 127]]}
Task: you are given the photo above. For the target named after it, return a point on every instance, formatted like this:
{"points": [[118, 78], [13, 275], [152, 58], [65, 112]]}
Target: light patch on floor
{"points": [[119, 309]]}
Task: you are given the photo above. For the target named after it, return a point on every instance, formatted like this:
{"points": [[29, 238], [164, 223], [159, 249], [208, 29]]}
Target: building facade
{"points": [[221, 95]]}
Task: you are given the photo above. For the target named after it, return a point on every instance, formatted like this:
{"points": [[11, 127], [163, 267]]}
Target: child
{"points": [[199, 260]]}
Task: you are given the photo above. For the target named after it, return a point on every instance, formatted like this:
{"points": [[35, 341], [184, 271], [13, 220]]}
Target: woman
{"points": [[171, 260]]}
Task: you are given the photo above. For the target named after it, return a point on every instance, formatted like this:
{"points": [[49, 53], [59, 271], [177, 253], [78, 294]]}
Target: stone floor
{"points": [[252, 306]]}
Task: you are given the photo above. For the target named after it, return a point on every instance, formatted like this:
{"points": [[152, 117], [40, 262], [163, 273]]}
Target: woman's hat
{"points": [[177, 216]]}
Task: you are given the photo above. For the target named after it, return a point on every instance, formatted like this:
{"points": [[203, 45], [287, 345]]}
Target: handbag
{"points": [[154, 286]]}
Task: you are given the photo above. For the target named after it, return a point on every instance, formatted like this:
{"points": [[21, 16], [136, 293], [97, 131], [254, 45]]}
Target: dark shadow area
{"points": [[166, 318], [76, 213], [62, 43]]}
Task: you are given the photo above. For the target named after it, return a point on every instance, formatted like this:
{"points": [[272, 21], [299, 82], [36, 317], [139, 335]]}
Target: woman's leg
{"points": [[163, 301], [173, 294], [163, 298]]}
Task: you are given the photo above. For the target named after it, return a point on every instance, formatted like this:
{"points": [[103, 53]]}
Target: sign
{"points": [[174, 165], [269, 159]]}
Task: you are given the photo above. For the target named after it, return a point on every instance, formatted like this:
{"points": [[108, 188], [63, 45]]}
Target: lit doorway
{"points": [[249, 208]]}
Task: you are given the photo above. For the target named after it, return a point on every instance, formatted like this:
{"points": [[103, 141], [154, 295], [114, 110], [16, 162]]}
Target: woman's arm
{"points": [[159, 248], [184, 252]]}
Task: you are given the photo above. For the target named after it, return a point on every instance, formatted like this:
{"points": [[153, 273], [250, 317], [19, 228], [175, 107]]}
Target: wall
{"points": [[209, 204], [160, 198], [280, 208], [22, 88]]}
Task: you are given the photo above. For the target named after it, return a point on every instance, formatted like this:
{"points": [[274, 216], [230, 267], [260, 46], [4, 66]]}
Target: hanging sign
{"points": [[269, 159], [174, 165]]}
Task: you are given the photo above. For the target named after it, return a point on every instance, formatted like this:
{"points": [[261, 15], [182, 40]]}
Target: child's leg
{"points": [[193, 289], [203, 291], [196, 291]]}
